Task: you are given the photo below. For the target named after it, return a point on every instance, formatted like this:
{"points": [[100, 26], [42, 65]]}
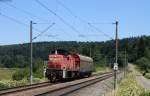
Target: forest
{"points": [[103, 53]]}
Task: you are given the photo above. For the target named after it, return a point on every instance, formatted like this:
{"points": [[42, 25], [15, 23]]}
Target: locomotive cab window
{"points": [[60, 52]]}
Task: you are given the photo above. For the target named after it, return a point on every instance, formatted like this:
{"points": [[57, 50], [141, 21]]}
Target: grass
{"points": [[6, 73], [7, 82], [6, 78], [98, 68], [129, 87], [4, 84]]}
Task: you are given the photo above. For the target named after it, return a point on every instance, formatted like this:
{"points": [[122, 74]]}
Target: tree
{"points": [[141, 47], [18, 55], [20, 61], [144, 64], [147, 53], [7, 61], [21, 74]]}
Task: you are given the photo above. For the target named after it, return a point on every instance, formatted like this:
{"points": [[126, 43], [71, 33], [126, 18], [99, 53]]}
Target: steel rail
{"points": [[23, 88], [71, 88]]}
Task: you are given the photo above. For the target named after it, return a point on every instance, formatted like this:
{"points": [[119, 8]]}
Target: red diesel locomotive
{"points": [[62, 65]]}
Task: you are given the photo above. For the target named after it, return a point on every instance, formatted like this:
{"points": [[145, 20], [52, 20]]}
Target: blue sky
{"points": [[133, 17]]}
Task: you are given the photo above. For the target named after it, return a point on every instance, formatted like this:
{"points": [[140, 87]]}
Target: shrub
{"points": [[129, 87], [147, 93], [4, 84], [147, 75], [20, 74], [36, 80], [143, 63]]}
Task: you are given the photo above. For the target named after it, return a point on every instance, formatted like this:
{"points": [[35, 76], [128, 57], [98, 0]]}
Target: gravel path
{"points": [[145, 83], [98, 89]]}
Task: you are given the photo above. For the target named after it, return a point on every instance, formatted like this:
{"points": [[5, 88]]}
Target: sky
{"points": [[72, 20]]}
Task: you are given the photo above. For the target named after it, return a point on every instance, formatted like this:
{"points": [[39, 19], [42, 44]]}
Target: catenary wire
{"points": [[99, 31], [71, 14], [45, 30], [81, 20], [59, 17], [23, 24], [13, 19], [24, 11]]}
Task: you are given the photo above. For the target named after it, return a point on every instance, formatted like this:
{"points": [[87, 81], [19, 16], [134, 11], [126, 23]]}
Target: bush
{"points": [[4, 84], [143, 63], [36, 80], [20, 74], [145, 93], [39, 72], [129, 87], [147, 75], [38, 68], [97, 67]]}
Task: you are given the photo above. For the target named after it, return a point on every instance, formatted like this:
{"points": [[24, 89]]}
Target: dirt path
{"points": [[145, 83]]}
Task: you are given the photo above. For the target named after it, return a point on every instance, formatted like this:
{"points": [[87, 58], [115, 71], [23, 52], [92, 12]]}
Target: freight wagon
{"points": [[63, 65]]}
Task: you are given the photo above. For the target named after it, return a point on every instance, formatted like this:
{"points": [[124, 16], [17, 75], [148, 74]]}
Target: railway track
{"points": [[23, 88], [61, 88], [71, 88]]}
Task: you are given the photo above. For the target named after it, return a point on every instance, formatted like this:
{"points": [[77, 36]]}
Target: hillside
{"points": [[19, 55]]}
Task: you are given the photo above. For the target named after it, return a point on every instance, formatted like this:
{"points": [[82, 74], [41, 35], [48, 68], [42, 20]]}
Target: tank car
{"points": [[63, 65]]}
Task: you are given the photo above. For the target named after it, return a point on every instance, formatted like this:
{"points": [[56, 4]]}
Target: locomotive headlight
{"points": [[64, 67]]}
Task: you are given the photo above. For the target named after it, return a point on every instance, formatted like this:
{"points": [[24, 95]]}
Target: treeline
{"points": [[19, 55], [138, 51]]}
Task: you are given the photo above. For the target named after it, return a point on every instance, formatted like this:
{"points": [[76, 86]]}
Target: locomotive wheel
{"points": [[89, 74], [53, 78]]}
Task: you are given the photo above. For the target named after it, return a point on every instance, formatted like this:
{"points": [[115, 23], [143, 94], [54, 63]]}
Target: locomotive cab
{"points": [[57, 61]]}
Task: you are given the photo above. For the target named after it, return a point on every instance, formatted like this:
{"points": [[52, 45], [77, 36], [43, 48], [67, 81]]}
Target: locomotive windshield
{"points": [[61, 52]]}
